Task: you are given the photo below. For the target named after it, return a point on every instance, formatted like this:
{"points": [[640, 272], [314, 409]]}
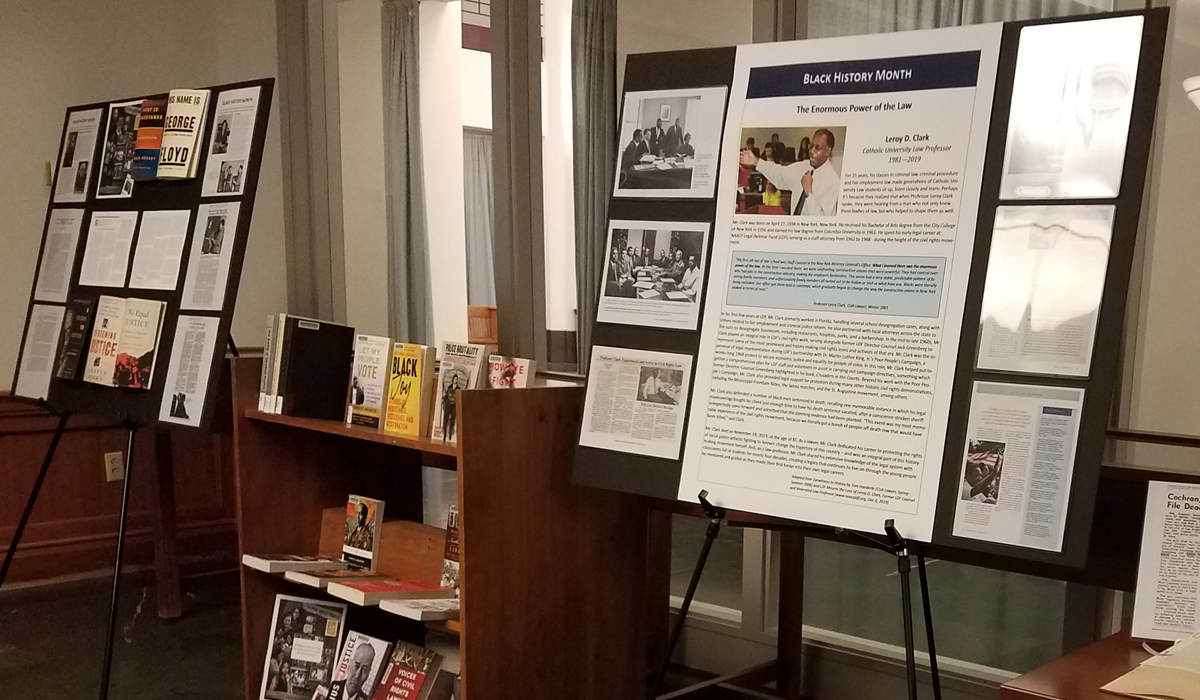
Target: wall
{"points": [[670, 25], [60, 54]]}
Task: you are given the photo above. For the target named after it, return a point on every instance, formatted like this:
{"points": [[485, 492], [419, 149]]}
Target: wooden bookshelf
{"points": [[555, 600]]}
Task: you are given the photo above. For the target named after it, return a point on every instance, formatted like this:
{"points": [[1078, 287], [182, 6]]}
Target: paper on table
{"points": [[186, 389], [210, 256], [1168, 587], [37, 358], [229, 150], [106, 257], [159, 249], [58, 256]]}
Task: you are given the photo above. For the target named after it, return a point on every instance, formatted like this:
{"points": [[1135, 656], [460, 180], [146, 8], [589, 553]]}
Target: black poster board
{"points": [[139, 406], [660, 478]]}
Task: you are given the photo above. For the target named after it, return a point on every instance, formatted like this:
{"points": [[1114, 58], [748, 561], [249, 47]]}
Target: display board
{"points": [[914, 286], [137, 278]]}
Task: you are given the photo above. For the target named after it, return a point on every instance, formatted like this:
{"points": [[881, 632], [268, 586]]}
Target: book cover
{"points": [[314, 370], [359, 667], [274, 402], [509, 372], [72, 342], [305, 638], [360, 545], [451, 559], [410, 390], [410, 673], [369, 380], [461, 368], [137, 347], [371, 592], [183, 124], [279, 563], [102, 349], [149, 139], [264, 379], [423, 609], [321, 579]]}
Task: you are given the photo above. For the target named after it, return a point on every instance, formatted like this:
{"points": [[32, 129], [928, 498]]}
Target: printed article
{"points": [[159, 249], [669, 142], [58, 256], [120, 141], [77, 154], [654, 275], [229, 147], [37, 357], [211, 253], [1016, 474], [841, 251], [636, 401], [1045, 280], [186, 388], [106, 255], [1168, 587]]}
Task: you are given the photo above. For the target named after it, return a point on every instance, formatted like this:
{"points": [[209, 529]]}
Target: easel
{"points": [[791, 585]]}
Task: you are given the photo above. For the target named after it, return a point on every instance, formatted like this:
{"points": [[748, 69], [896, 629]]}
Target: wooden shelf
{"points": [[356, 432]]}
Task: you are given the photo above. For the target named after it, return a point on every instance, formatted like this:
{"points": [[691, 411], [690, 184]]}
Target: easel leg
{"points": [[37, 486], [791, 615], [904, 565], [116, 585], [166, 550], [933, 663]]}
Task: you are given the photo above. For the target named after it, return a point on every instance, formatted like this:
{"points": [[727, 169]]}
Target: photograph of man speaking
{"points": [[797, 181]]}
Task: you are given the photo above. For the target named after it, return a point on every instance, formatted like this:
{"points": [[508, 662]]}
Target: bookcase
{"points": [[555, 598]]}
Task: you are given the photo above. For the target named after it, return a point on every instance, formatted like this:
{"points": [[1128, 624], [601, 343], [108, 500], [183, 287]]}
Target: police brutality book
{"points": [[359, 667], [509, 372], [360, 545], [279, 563], [183, 127], [305, 638], [461, 368], [410, 390], [369, 381], [124, 342]]}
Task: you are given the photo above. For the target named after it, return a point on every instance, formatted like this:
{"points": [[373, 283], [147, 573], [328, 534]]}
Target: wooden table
{"points": [[1080, 674]]}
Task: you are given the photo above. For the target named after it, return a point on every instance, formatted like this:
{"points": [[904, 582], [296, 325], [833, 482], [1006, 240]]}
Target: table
{"points": [[677, 177], [1080, 674]]}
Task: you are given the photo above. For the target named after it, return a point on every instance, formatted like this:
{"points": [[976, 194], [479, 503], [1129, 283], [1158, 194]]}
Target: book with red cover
{"points": [[411, 674], [371, 592]]}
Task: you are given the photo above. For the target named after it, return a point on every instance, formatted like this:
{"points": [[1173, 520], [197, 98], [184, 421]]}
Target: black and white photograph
{"points": [[221, 135], [230, 177], [179, 407], [654, 273], [668, 143], [1072, 96], [982, 472], [69, 152], [305, 641], [214, 235], [660, 385], [790, 171], [116, 178], [81, 177]]}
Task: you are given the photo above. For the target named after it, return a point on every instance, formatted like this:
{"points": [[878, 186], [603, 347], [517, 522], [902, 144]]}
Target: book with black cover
{"points": [[72, 344], [314, 370]]}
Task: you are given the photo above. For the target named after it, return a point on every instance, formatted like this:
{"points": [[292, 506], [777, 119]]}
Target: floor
{"points": [[51, 643]]}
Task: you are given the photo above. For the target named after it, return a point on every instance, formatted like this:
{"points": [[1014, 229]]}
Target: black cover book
{"points": [[314, 370], [72, 344]]}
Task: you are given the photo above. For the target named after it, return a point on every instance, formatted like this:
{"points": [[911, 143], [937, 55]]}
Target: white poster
{"points": [[1015, 480], [1168, 586], [159, 249], [668, 143], [1045, 279], [1069, 120], [187, 377], [654, 274], [845, 227], [120, 141], [37, 357], [208, 262], [106, 255], [229, 148], [78, 153], [636, 401], [58, 255]]}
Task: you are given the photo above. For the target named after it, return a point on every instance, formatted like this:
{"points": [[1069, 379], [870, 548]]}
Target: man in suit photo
{"points": [[657, 138], [686, 149], [674, 139], [634, 151]]}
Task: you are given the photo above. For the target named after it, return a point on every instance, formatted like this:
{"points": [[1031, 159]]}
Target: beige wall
{"points": [[53, 55], [669, 25]]}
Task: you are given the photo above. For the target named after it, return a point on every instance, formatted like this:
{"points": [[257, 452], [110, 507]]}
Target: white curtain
{"points": [[847, 17], [477, 188]]}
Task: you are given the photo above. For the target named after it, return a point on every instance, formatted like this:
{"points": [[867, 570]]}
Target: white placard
{"points": [[1015, 481], [186, 388], [1167, 604], [106, 257], [208, 261], [654, 274], [636, 401], [840, 260], [229, 147], [669, 143], [78, 153], [58, 255], [159, 249], [37, 357]]}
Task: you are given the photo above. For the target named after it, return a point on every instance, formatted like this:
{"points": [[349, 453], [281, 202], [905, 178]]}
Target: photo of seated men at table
{"points": [[657, 146], [650, 265], [790, 171]]}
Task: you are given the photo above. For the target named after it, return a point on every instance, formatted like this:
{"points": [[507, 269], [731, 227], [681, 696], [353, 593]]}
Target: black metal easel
{"points": [[106, 671], [33, 495]]}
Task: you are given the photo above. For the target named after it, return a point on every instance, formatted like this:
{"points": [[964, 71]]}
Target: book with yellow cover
{"points": [[410, 390]]}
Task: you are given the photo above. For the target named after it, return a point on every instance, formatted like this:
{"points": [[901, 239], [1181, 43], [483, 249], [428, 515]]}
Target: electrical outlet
{"points": [[114, 466]]}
